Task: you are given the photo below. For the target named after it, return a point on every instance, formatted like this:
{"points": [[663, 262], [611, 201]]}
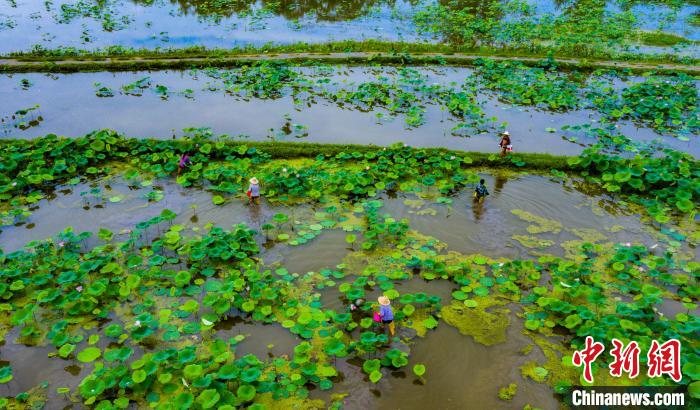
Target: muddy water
{"points": [[32, 367], [68, 105], [85, 213], [459, 369], [263, 341], [470, 227], [455, 375], [465, 226], [324, 252]]}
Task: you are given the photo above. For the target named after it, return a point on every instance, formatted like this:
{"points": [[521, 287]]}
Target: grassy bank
{"points": [[293, 150], [347, 46], [458, 60], [346, 52], [289, 150]]}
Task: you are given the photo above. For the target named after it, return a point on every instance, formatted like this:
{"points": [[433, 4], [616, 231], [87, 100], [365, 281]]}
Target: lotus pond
{"points": [[546, 109], [580, 27], [129, 285]]}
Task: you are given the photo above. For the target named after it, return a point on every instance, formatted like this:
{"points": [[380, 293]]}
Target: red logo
{"points": [[664, 359], [626, 359], [587, 356]]}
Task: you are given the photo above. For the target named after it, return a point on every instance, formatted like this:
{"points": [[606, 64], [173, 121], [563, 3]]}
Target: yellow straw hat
{"points": [[254, 181], [384, 301]]}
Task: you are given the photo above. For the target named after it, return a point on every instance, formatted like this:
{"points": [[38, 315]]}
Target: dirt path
{"points": [[92, 64]]}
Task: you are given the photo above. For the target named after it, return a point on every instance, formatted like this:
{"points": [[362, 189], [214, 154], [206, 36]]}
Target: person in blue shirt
{"points": [[386, 313], [254, 191], [480, 192]]}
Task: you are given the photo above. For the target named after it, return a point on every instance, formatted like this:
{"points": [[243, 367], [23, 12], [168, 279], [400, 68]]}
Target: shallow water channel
{"points": [[69, 105]]}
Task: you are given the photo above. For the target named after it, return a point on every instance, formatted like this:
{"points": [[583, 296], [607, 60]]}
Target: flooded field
{"points": [[153, 256], [161, 104], [172, 281], [491, 228], [465, 227], [87, 24]]}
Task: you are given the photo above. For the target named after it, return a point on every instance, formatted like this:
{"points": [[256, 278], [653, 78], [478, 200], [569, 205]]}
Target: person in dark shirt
{"points": [[480, 192]]}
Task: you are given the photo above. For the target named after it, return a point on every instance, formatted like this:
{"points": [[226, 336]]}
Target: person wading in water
{"points": [[505, 143], [254, 191], [386, 313], [480, 192], [184, 161]]}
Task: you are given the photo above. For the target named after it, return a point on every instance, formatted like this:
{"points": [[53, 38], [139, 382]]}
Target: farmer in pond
{"points": [[184, 161], [386, 314], [254, 191], [480, 192], [505, 143]]}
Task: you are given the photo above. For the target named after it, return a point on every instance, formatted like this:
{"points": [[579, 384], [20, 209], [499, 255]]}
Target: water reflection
{"points": [[225, 23], [477, 208], [321, 10], [255, 213], [499, 181]]}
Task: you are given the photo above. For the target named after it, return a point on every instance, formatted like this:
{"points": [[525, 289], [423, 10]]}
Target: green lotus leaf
{"points": [[228, 372], [459, 295], [250, 374], [419, 370], [91, 387], [66, 350], [371, 365], [471, 303], [5, 374], [375, 376], [192, 371], [89, 354], [245, 393], [113, 330], [208, 398], [138, 376], [430, 323], [572, 321], [532, 324], [694, 389], [184, 400], [335, 347]]}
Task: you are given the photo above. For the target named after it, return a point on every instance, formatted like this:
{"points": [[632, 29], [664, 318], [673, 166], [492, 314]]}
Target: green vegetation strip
{"points": [[118, 59], [289, 150]]}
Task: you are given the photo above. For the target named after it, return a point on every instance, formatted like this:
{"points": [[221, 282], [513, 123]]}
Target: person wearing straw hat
{"points": [[505, 143], [386, 313], [254, 191]]}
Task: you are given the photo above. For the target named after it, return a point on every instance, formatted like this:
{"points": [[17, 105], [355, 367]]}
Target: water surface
{"points": [[88, 24], [69, 105]]}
